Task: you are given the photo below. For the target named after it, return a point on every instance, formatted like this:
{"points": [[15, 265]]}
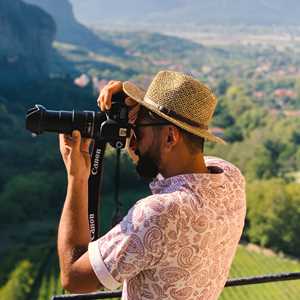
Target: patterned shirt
{"points": [[179, 242]]}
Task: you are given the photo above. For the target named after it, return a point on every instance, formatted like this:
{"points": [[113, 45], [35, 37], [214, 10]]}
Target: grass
{"points": [[250, 263]]}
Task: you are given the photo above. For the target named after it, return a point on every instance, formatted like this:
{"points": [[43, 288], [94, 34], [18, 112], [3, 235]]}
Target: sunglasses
{"points": [[135, 128]]}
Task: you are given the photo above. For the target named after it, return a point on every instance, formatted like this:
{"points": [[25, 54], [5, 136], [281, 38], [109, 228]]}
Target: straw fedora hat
{"points": [[180, 99]]}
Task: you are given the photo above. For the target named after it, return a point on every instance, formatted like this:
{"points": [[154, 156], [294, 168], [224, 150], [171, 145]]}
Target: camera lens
{"points": [[39, 119]]}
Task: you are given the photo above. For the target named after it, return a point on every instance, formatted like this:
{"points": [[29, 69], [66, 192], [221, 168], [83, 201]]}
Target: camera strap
{"points": [[94, 187], [117, 217]]}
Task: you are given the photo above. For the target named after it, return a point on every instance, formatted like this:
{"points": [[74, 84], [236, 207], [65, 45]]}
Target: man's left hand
{"points": [[75, 153]]}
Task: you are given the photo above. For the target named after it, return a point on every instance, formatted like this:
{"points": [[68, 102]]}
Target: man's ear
{"points": [[173, 136]]}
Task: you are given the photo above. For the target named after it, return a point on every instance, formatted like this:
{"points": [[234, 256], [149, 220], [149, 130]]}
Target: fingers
{"points": [[104, 99], [132, 114], [76, 136], [130, 102], [100, 101], [65, 142], [74, 142], [85, 145], [61, 140]]}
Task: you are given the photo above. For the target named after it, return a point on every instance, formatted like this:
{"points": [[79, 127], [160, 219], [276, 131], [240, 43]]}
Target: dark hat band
{"points": [[179, 117], [172, 114]]}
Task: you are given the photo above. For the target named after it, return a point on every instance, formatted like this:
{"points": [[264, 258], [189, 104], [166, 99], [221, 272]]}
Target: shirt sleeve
{"points": [[136, 243]]}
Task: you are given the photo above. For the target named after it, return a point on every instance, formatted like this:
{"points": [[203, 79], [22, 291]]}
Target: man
{"points": [[179, 242]]}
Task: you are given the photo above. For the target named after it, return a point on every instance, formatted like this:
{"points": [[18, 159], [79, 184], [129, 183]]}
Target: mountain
{"points": [[98, 10], [216, 12], [69, 30], [26, 35]]}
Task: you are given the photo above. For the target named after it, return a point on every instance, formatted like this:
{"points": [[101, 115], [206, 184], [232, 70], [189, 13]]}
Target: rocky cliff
{"points": [[69, 30], [26, 36]]}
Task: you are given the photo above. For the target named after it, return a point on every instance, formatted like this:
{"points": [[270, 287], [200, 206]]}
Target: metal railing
{"points": [[229, 283]]}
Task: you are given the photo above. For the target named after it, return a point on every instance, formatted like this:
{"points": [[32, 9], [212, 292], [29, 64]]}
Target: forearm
{"points": [[73, 231]]}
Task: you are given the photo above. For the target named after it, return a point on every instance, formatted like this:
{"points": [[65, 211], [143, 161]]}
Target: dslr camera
{"points": [[111, 127]]}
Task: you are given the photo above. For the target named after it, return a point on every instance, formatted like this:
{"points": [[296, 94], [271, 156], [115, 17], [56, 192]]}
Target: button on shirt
{"points": [[179, 242]]}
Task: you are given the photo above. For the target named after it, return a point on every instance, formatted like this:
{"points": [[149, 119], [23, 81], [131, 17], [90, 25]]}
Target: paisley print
{"points": [[158, 291], [135, 246], [185, 257], [157, 206], [205, 240], [152, 238], [133, 290], [200, 223], [150, 274], [138, 214], [177, 244], [172, 235], [148, 294], [187, 213], [201, 278], [181, 294], [125, 268], [163, 221], [173, 274], [173, 210], [196, 203]]}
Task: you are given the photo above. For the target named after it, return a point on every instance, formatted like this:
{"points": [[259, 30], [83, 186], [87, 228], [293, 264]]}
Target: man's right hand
{"points": [[104, 103], [104, 99], [114, 87]]}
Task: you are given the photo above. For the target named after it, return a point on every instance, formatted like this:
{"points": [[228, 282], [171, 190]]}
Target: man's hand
{"points": [[104, 103], [114, 87], [75, 153], [104, 99]]}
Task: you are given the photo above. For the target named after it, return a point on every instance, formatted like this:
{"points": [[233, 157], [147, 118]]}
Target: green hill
{"points": [[249, 262]]}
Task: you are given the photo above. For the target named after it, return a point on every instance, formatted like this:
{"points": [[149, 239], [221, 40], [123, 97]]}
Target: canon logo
{"points": [[92, 225], [96, 162]]}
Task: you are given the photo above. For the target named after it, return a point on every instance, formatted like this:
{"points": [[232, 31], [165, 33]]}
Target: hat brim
{"points": [[138, 95]]}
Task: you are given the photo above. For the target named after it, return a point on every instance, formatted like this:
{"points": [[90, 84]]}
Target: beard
{"points": [[148, 165]]}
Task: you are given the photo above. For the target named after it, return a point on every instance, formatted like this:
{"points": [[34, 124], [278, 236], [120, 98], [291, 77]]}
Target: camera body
{"points": [[111, 126]]}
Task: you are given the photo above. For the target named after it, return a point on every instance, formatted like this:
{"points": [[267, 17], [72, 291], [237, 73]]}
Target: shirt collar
{"points": [[162, 185]]}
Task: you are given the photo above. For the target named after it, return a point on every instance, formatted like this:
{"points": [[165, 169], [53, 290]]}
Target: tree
{"points": [[222, 87], [32, 196], [274, 215], [233, 134]]}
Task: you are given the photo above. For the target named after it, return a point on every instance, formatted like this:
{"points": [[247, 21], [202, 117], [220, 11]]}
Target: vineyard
{"points": [[37, 277], [249, 263], [33, 277]]}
